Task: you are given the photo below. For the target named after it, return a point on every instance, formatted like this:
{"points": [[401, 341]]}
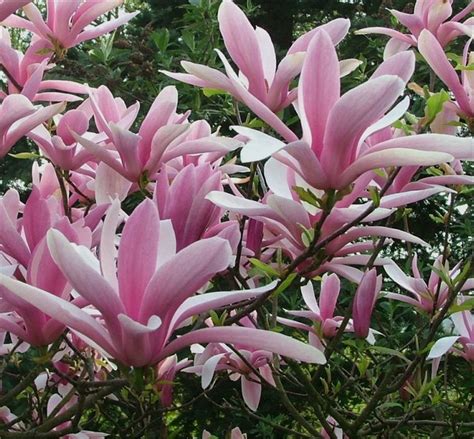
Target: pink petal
{"points": [[242, 44], [319, 89], [362, 106], [137, 255], [250, 338]]}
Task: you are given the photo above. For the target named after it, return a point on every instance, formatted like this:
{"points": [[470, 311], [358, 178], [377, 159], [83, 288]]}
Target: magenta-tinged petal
{"points": [[250, 338], [251, 393], [411, 21], [362, 106], [395, 46], [204, 302], [330, 287], [84, 278], [388, 158], [137, 256], [104, 28], [8, 7], [337, 29], [10, 239], [387, 31], [461, 148], [61, 310], [242, 44], [319, 89], [257, 106], [171, 286], [434, 54], [401, 64], [408, 283], [364, 302]]}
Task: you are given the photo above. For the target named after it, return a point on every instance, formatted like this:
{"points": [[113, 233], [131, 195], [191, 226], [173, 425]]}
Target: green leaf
{"points": [[161, 38], [467, 305], [25, 156], [434, 105], [208, 92], [270, 271], [285, 284], [387, 351], [188, 38], [308, 196]]}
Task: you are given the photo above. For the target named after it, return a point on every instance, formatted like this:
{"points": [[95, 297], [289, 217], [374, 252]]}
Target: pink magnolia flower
{"points": [[183, 201], [24, 240], [431, 15], [69, 23], [8, 7], [364, 302], [141, 312], [462, 88], [464, 325], [321, 313], [218, 357], [18, 116], [423, 294], [25, 73], [326, 323], [163, 136], [166, 371], [260, 84], [61, 148], [333, 154]]}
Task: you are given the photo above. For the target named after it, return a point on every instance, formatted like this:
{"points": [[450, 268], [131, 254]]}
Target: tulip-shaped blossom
{"points": [[364, 302], [464, 325], [166, 371], [8, 7], [140, 312], [218, 357], [24, 241], [69, 23], [321, 313], [432, 15], [18, 116], [61, 148], [164, 135], [25, 73], [426, 296], [260, 84], [462, 88], [183, 201], [333, 152]]}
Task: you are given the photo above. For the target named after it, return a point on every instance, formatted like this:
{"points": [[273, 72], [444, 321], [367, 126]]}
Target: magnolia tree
{"points": [[153, 250]]}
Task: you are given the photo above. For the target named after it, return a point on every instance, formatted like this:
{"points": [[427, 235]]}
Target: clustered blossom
{"points": [[132, 287]]}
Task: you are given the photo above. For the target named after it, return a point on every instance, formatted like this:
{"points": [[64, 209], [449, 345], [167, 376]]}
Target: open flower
{"points": [[333, 151], [18, 116], [432, 15], [69, 23], [140, 312], [260, 84]]}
